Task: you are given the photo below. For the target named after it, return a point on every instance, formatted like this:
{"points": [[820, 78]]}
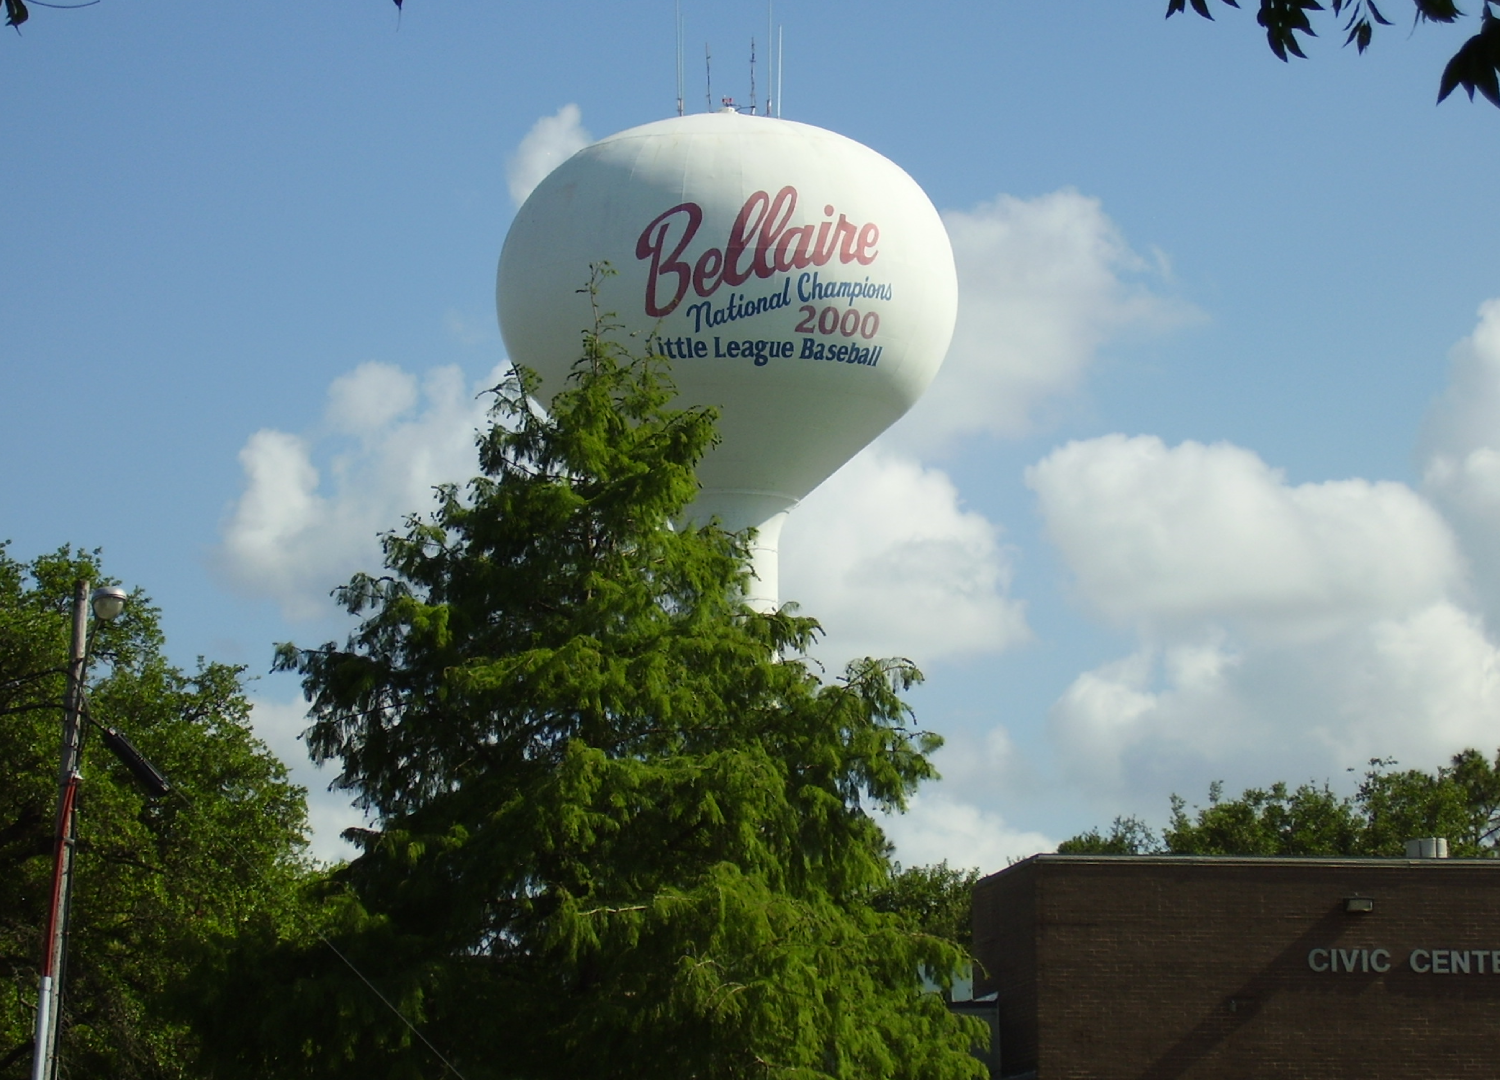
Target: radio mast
{"points": [[679, 57]]}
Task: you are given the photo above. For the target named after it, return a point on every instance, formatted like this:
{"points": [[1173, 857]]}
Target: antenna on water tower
{"points": [[780, 43], [770, 56], [679, 57], [775, 51]]}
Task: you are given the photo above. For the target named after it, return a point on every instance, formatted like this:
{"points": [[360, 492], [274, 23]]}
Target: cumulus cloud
{"points": [[1465, 416], [280, 724], [1174, 536], [938, 827], [1043, 284], [976, 763], [1169, 717], [1461, 450], [387, 440], [365, 401], [1281, 630], [550, 142], [887, 558]]}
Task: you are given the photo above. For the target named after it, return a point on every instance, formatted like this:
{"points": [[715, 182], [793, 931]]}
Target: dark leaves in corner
{"points": [[1475, 65], [16, 13], [1284, 20], [1358, 28], [1200, 6], [1444, 11]]}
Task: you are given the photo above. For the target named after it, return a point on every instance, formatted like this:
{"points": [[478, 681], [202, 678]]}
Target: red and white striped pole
{"points": [[49, 995]]}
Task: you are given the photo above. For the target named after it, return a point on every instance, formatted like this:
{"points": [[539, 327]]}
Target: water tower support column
{"points": [[763, 512]]}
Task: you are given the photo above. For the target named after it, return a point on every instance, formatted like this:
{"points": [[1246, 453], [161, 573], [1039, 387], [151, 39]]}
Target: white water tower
{"points": [[800, 282]]}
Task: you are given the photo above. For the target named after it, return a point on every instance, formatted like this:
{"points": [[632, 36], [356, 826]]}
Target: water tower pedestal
{"points": [[763, 512]]}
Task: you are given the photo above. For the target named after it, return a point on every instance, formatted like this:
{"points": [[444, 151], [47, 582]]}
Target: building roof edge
{"points": [[1262, 861]]}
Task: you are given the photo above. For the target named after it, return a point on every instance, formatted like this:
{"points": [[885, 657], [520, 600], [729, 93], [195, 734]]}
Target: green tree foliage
{"points": [[1459, 801], [158, 885], [1310, 820], [624, 829], [1126, 836], [1476, 65], [936, 900]]}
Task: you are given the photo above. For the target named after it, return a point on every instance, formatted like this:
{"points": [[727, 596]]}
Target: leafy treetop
{"points": [[623, 827], [936, 899], [1459, 801], [159, 886]]}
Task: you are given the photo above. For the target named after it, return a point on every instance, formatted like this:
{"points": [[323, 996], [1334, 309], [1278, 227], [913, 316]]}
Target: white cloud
{"points": [[1281, 631], [1168, 718], [297, 531], [976, 764], [280, 724], [1156, 721], [365, 401], [1461, 450], [1466, 415], [550, 142], [937, 827], [884, 555], [1043, 283], [1167, 537]]}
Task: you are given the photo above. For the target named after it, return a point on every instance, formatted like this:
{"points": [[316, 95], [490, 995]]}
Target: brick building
{"points": [[1160, 967]]}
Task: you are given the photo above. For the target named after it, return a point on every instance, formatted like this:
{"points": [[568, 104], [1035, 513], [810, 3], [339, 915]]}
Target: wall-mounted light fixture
{"points": [[1359, 904]]}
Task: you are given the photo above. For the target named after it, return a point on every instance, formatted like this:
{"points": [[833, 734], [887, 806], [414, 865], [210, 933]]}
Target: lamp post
{"points": [[108, 602]]}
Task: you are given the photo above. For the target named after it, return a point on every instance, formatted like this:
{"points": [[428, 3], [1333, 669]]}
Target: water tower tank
{"points": [[798, 281]]}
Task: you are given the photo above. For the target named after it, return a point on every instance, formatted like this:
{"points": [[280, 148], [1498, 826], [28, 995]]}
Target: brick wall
{"points": [[1159, 968], [1005, 945]]}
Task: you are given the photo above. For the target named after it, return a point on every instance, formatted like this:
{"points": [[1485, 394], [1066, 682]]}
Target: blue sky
{"points": [[1223, 499]]}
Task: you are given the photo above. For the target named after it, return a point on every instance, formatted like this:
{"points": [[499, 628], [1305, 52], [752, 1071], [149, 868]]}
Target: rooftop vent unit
{"points": [[1428, 847]]}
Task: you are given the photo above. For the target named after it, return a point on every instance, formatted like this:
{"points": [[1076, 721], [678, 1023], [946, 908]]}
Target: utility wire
{"points": [[388, 1004], [307, 924]]}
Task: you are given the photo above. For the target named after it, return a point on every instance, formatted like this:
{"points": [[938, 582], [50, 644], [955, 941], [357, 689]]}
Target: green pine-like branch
{"points": [[623, 827]]}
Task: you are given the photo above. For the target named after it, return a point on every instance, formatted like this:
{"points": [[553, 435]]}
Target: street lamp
{"points": [[108, 602]]}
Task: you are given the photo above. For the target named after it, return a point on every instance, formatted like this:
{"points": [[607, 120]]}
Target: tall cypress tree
{"points": [[623, 825]]}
